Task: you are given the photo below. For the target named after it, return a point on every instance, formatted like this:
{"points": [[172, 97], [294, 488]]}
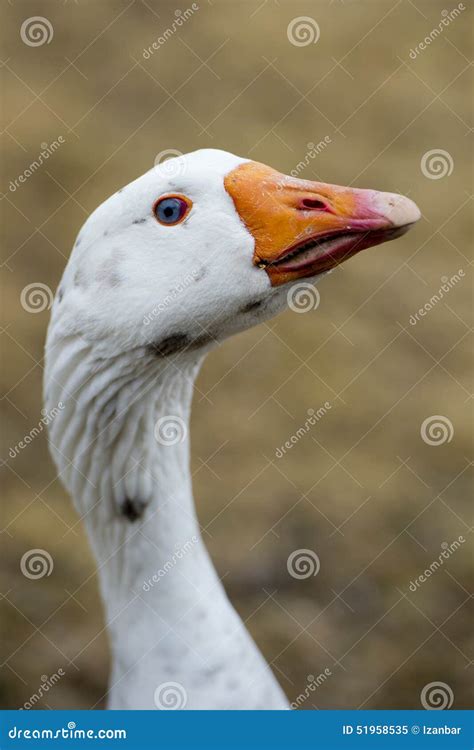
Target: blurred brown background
{"points": [[362, 489]]}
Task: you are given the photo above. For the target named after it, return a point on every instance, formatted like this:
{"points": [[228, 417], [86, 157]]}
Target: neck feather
{"points": [[121, 444], [122, 432]]}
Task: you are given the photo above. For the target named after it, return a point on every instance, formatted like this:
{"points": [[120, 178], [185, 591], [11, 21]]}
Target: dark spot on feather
{"points": [[115, 280], [132, 509], [108, 273], [212, 671], [178, 342], [206, 674], [200, 615], [60, 294], [251, 306], [79, 278], [200, 274], [106, 233], [139, 221]]}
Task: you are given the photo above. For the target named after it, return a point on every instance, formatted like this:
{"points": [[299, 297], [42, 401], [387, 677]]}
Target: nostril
{"points": [[313, 204]]}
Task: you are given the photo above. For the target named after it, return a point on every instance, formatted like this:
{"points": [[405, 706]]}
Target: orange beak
{"points": [[303, 228]]}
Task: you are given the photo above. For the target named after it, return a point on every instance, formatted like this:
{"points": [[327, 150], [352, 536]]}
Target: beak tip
{"points": [[398, 209]]}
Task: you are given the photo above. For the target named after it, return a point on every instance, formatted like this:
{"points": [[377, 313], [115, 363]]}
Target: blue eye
{"points": [[172, 209]]}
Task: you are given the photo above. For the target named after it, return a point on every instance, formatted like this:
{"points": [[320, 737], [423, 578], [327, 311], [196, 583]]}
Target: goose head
{"points": [[206, 245], [197, 249]]}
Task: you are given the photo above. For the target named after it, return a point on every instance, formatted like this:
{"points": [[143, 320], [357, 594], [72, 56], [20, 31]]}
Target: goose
{"points": [[199, 248]]}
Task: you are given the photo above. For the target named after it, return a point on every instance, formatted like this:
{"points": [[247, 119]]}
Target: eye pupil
{"points": [[172, 209]]}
